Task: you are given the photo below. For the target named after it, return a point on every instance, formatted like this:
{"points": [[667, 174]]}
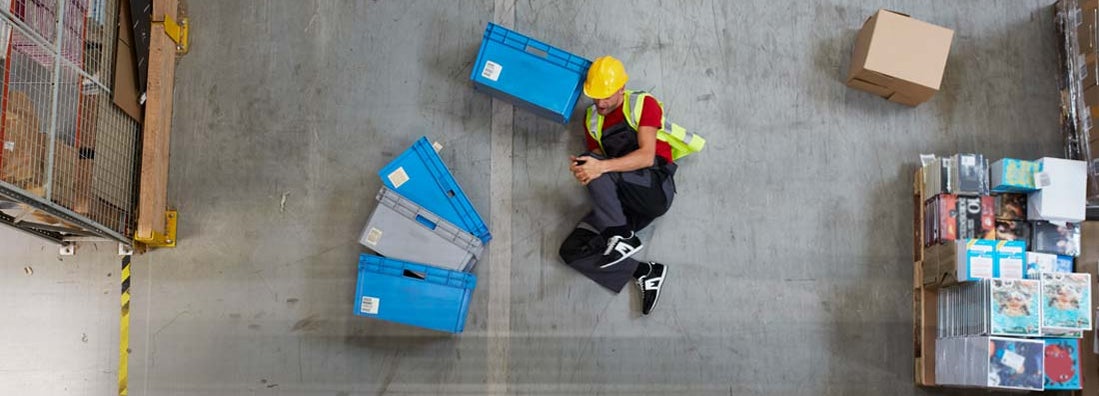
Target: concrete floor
{"points": [[789, 242]]}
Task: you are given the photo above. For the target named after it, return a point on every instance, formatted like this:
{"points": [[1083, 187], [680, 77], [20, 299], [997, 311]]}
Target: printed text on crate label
{"points": [[370, 305], [492, 70]]}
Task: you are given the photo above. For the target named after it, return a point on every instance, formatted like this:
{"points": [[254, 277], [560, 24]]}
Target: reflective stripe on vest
{"points": [[682, 142]]}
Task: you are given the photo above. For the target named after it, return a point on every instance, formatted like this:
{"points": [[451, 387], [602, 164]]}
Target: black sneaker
{"points": [[620, 248], [650, 285]]}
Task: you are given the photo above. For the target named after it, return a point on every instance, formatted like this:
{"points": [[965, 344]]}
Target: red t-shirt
{"points": [[650, 116]]}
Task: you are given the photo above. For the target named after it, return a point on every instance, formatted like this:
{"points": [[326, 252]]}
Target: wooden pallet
{"points": [[924, 299]]}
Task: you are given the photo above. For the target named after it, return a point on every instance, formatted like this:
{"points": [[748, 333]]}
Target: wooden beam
{"points": [[153, 194]]}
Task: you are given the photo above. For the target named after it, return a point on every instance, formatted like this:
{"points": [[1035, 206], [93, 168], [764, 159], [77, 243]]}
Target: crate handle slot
{"points": [[427, 223], [537, 51], [414, 275]]}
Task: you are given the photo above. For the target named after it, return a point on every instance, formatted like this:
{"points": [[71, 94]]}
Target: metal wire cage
{"points": [[69, 158]]}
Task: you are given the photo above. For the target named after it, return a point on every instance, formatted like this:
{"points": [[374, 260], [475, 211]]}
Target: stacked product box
{"points": [[1062, 364], [991, 362], [428, 237], [1008, 315], [1010, 212], [952, 217]]}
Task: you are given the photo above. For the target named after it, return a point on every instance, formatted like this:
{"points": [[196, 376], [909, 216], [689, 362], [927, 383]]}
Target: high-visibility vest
{"points": [[683, 142]]}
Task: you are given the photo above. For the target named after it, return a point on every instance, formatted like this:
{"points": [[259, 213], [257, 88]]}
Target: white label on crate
{"points": [[969, 161], [1014, 360], [1041, 180], [9, 145], [492, 70], [398, 177], [980, 267], [436, 146], [370, 305], [1011, 268], [373, 236]]}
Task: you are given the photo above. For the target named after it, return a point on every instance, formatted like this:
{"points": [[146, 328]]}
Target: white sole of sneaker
{"points": [[624, 257], [657, 298]]}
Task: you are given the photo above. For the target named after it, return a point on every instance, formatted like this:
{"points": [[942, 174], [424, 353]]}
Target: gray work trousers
{"points": [[619, 199]]}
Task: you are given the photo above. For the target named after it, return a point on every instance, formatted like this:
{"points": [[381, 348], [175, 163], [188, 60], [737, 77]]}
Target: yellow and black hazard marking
{"points": [[124, 330]]}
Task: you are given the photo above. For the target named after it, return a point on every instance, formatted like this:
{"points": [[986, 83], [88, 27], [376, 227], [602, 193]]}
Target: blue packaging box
{"points": [[1011, 175], [528, 73], [976, 259], [413, 294], [1010, 260]]}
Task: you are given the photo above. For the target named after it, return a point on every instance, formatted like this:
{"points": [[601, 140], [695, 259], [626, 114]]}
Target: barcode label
{"points": [[491, 70], [398, 177], [1041, 180], [9, 145], [369, 305], [969, 161], [373, 236]]}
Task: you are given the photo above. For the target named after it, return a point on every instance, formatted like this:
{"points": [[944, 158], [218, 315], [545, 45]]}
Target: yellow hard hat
{"points": [[605, 77]]}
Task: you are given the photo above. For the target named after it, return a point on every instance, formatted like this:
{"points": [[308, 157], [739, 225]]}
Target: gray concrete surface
{"points": [[60, 332], [789, 242]]}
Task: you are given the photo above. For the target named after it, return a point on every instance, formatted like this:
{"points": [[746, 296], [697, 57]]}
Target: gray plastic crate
{"points": [[403, 230]]}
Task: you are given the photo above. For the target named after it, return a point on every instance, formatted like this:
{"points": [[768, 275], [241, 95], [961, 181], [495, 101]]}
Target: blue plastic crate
{"points": [[529, 73], [420, 175], [413, 294]]}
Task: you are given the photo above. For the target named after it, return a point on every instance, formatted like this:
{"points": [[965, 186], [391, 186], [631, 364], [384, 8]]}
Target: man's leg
{"points": [[583, 251], [643, 204], [609, 217]]}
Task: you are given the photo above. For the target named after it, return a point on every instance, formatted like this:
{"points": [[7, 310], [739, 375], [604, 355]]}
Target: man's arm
{"points": [[586, 169]]}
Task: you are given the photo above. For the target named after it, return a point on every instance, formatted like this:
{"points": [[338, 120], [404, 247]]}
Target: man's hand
{"points": [[585, 168]]}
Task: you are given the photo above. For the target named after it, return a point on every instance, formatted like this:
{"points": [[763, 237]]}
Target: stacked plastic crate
{"points": [[426, 232], [428, 237]]}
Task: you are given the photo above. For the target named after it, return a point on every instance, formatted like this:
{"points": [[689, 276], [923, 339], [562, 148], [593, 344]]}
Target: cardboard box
{"points": [[1091, 99], [1086, 32], [1010, 175], [1012, 230], [23, 148], [1062, 196], [1010, 259], [899, 58], [1090, 75], [125, 90], [1038, 263]]}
